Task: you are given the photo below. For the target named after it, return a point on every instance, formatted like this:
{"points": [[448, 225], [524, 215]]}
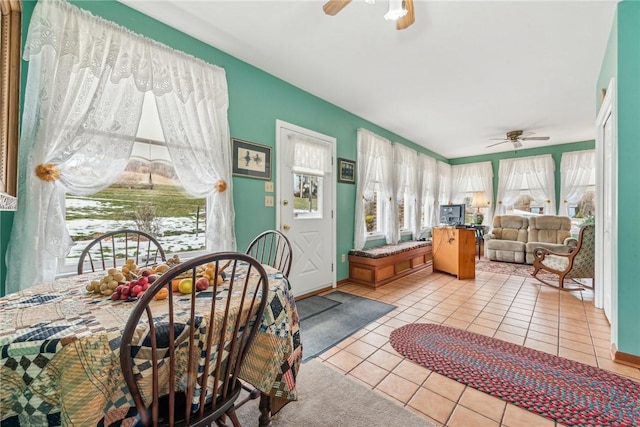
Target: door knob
{"points": [[286, 227], [285, 202]]}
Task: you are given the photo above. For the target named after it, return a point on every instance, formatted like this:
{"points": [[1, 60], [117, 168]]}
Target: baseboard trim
{"points": [[316, 292], [624, 358], [342, 282]]}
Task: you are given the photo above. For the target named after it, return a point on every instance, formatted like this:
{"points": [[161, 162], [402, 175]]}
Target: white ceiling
{"points": [[464, 72]]}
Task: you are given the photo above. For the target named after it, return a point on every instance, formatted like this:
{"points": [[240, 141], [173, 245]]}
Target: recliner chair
{"points": [[507, 239], [552, 232]]}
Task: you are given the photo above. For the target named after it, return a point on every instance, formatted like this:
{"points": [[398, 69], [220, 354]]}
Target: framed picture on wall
{"points": [[346, 171], [251, 160]]}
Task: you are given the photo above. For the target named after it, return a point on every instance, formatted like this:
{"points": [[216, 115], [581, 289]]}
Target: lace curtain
{"points": [[83, 102], [194, 122], [535, 174], [308, 155], [427, 190], [405, 163], [472, 177], [578, 173], [444, 183], [375, 156]]}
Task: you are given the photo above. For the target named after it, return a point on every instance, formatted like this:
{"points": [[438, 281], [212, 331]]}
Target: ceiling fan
{"points": [[332, 7], [515, 136]]}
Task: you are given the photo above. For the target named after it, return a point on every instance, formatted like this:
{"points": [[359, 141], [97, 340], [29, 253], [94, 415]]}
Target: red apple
{"points": [[146, 272], [115, 296], [137, 289], [143, 280], [202, 284], [152, 278]]}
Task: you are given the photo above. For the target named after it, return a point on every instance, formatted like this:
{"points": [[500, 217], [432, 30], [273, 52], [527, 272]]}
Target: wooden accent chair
{"points": [[272, 248], [578, 264], [181, 367], [111, 250]]}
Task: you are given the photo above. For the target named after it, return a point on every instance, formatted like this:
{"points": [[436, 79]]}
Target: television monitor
{"points": [[452, 214]]}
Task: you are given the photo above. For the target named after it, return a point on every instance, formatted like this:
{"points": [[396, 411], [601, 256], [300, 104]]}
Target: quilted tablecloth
{"points": [[59, 354]]}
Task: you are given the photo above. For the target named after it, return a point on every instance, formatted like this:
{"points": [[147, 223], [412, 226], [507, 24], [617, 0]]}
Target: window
{"points": [[372, 213], [147, 196], [307, 196]]}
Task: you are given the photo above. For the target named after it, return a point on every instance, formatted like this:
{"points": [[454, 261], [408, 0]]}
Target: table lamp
{"points": [[479, 201]]}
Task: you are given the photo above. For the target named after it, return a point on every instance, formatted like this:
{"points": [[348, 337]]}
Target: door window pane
{"points": [[307, 196]]}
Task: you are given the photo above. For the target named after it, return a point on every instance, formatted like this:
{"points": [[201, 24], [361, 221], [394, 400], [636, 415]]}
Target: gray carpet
{"points": [[329, 398], [326, 327]]}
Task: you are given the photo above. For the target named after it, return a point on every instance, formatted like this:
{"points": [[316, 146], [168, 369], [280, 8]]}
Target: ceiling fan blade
{"points": [[535, 138], [497, 143], [334, 6], [407, 19], [517, 144]]}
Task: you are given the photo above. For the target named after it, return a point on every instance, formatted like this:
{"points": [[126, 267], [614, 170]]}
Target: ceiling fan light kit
{"points": [[515, 137], [400, 11], [396, 10]]}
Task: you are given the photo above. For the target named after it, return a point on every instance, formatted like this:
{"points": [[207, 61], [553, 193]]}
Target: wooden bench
{"points": [[375, 267]]}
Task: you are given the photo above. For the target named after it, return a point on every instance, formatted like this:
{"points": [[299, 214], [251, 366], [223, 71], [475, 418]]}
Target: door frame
{"points": [[280, 125], [607, 112]]}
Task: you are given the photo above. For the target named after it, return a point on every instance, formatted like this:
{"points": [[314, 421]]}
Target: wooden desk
{"points": [[454, 251]]}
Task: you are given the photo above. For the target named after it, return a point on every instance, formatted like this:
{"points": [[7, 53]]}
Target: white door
{"points": [[606, 207], [304, 212], [608, 242]]}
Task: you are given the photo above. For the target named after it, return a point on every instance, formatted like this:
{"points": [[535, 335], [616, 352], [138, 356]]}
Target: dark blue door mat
{"points": [[327, 320]]}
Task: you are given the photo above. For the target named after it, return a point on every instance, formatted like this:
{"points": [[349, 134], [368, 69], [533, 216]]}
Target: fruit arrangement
{"points": [[129, 275], [134, 288]]}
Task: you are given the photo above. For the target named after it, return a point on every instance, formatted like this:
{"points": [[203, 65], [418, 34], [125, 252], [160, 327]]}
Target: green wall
{"points": [[555, 151], [256, 100], [628, 96]]}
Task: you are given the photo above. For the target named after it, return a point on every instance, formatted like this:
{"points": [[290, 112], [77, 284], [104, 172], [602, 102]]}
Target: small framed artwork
{"points": [[251, 160], [346, 171]]}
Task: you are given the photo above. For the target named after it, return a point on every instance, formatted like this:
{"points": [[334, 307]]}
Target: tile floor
{"points": [[511, 308]]}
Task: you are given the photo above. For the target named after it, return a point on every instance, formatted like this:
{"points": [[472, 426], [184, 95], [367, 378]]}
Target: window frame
{"points": [[10, 42]]}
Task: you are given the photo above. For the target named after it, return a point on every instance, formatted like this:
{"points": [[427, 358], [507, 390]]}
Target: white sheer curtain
{"points": [[472, 177], [444, 183], [375, 157], [83, 102], [427, 190], [193, 117], [405, 163], [534, 174], [577, 172]]}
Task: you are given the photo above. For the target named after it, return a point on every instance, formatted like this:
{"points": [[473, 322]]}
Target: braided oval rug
{"points": [[560, 389]]}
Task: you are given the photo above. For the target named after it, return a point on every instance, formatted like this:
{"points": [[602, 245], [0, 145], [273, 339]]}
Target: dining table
{"points": [[60, 364]]}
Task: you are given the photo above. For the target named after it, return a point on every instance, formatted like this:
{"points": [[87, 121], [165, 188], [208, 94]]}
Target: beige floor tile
{"points": [[482, 403], [482, 330], [369, 373], [432, 404], [518, 417], [564, 323], [444, 386], [344, 360], [374, 339], [398, 387], [508, 337], [412, 372], [361, 349], [463, 417]]}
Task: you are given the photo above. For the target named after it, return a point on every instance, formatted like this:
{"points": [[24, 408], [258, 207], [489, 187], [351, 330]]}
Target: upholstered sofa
{"points": [[507, 239], [514, 238], [552, 232]]}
